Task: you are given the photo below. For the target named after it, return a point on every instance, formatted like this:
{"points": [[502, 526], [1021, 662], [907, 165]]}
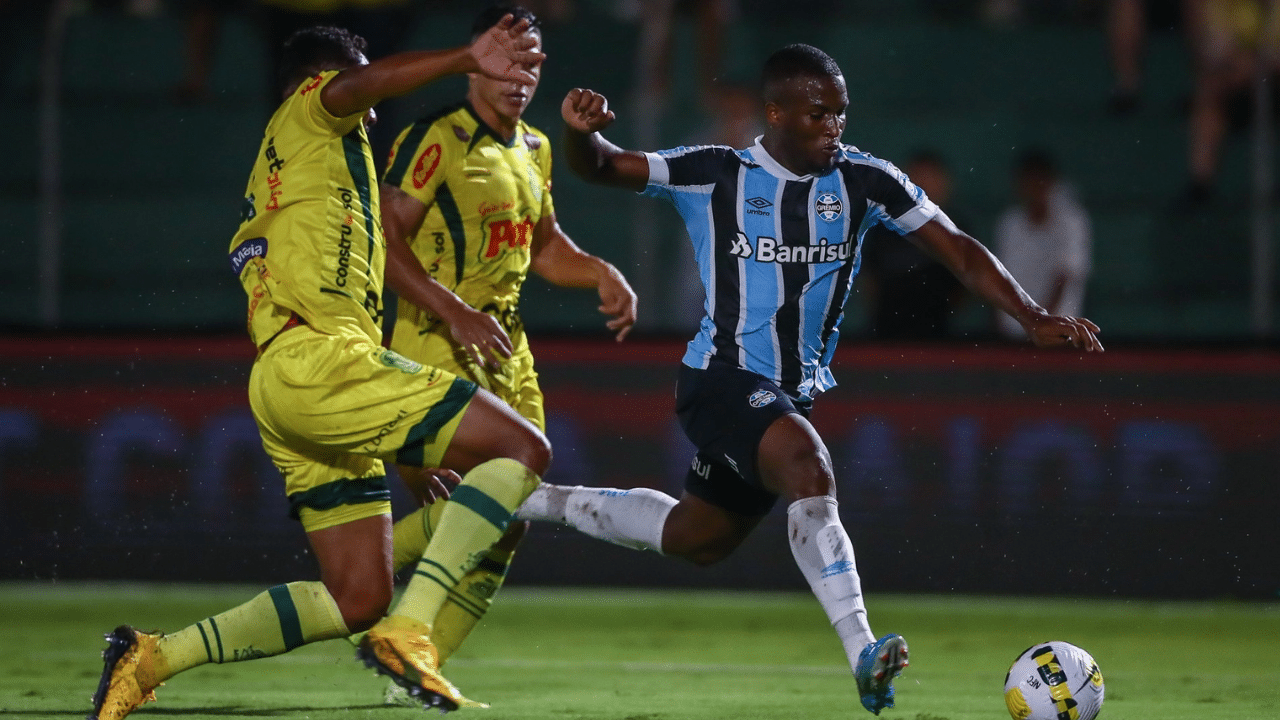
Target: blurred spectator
{"points": [[556, 11], [1232, 40], [1045, 240], [384, 24], [1127, 23], [911, 295], [203, 24], [657, 20]]}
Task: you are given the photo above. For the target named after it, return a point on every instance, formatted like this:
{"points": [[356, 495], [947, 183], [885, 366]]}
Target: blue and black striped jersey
{"points": [[777, 252]]}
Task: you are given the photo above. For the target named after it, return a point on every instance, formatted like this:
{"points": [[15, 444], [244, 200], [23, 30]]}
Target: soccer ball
{"points": [[1054, 681]]}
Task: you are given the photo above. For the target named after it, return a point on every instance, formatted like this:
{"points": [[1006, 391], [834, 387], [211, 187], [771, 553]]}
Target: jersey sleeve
{"points": [[905, 206], [684, 168], [418, 161], [317, 114]]}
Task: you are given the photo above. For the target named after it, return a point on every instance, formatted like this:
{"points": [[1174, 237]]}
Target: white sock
{"points": [[630, 518], [825, 556]]}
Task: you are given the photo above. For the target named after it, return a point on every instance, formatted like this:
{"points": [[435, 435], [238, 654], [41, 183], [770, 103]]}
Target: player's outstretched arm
{"points": [[505, 52], [477, 332], [559, 261], [594, 159], [983, 274]]}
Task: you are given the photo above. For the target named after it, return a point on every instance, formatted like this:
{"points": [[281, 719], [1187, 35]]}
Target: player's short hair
{"points": [[792, 61], [492, 14], [309, 50]]}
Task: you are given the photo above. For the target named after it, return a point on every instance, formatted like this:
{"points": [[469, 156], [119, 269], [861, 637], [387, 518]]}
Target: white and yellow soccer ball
{"points": [[1054, 680]]}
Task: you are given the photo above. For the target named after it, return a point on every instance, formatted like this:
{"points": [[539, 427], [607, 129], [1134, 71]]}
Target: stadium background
{"points": [[1148, 471]]}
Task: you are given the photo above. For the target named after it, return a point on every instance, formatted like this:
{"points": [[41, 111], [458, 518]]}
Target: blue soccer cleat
{"points": [[878, 664]]}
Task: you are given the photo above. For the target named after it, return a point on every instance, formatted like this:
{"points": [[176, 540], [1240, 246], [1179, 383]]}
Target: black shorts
{"points": [[725, 411]]}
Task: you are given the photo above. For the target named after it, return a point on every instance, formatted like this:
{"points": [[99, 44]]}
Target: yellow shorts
{"points": [[516, 383], [331, 408]]}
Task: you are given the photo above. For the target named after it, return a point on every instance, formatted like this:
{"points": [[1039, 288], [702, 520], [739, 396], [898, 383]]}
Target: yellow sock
{"points": [[476, 515], [274, 622], [470, 599], [412, 532]]}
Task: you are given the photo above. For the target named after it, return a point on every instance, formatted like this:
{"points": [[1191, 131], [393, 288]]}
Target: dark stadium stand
{"points": [[154, 186]]}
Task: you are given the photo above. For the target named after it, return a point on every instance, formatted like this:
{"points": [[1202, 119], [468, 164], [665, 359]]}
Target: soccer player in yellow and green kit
{"points": [[468, 213], [331, 403]]}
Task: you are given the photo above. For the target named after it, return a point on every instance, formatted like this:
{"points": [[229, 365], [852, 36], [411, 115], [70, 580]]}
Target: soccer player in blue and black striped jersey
{"points": [[776, 231]]}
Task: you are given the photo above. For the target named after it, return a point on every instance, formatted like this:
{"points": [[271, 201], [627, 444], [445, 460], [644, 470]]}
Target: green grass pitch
{"points": [[569, 654]]}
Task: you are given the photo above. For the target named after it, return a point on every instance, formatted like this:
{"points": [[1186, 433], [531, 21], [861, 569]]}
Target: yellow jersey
{"points": [[484, 197], [310, 240]]}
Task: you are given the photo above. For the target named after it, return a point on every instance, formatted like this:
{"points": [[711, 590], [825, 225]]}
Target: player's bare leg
{"points": [[794, 462], [502, 455], [355, 567], [703, 533]]}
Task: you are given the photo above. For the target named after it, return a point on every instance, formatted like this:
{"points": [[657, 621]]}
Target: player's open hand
{"points": [[618, 300], [586, 111], [507, 51], [1049, 331], [429, 484], [481, 336]]}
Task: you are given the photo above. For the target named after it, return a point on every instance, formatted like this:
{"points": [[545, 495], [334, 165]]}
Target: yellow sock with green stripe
{"points": [[476, 515], [471, 598], [274, 622], [411, 533]]}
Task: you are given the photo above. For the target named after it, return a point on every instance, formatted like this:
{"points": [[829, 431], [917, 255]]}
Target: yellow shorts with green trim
{"points": [[331, 408], [515, 382]]}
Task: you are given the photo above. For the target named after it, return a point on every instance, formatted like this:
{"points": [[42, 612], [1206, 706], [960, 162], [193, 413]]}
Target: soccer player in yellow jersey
{"points": [[332, 403], [467, 209]]}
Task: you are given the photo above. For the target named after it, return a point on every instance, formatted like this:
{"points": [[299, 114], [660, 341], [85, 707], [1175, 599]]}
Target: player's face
{"points": [[507, 98], [808, 119]]}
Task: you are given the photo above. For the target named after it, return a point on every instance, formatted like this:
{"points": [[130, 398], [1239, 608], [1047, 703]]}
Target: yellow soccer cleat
{"points": [[400, 648], [128, 676]]}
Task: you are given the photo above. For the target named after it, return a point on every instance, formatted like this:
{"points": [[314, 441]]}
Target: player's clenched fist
{"points": [[586, 111]]}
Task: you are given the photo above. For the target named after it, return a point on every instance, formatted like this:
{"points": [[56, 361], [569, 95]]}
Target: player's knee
{"points": [[362, 605], [806, 475], [534, 453], [700, 549], [707, 555]]}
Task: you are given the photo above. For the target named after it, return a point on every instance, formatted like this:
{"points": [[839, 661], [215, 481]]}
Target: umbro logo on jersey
{"points": [[828, 207], [760, 398], [758, 205]]}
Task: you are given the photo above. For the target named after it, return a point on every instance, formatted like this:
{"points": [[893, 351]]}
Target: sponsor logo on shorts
{"points": [[246, 251], [828, 207], [384, 431], [760, 398], [701, 469], [393, 359]]}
